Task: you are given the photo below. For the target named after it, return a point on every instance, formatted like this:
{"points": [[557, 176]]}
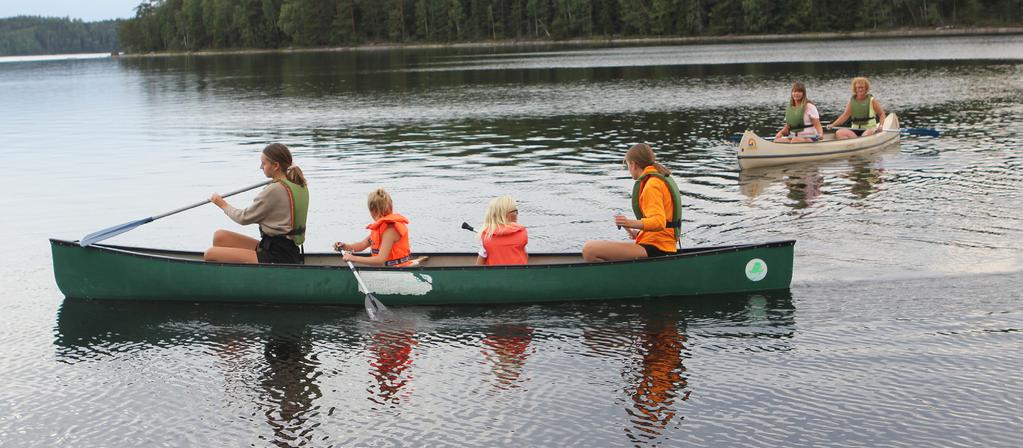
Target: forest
{"points": [[186, 25], [29, 35]]}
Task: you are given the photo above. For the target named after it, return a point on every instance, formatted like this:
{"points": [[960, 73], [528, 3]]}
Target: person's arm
{"points": [[880, 113], [481, 256], [650, 203], [264, 202], [387, 241], [841, 118], [817, 125], [353, 247], [783, 132]]}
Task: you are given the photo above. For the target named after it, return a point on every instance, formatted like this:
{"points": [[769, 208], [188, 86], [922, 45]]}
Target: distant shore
{"points": [[612, 41]]}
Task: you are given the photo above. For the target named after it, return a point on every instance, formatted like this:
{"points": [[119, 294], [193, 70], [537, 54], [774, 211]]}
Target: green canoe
{"points": [[131, 273]]}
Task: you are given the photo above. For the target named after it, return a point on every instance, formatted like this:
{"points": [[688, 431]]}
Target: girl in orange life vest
{"points": [[504, 240], [388, 235], [280, 209], [655, 232]]}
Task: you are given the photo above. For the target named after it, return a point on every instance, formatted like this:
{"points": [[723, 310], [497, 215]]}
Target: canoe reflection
{"points": [[270, 357], [804, 182]]}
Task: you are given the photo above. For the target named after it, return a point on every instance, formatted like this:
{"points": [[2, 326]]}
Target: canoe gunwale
{"points": [[688, 253]]}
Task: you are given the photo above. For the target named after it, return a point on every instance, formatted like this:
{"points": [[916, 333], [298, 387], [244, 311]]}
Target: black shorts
{"points": [[278, 249], [858, 132], [654, 251]]}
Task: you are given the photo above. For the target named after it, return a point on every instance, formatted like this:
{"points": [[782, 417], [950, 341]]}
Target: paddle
{"points": [[466, 226], [924, 132], [373, 306], [101, 235]]}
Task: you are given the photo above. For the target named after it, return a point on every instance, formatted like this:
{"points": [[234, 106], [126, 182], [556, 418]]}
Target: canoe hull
{"points": [[118, 273], [755, 152]]}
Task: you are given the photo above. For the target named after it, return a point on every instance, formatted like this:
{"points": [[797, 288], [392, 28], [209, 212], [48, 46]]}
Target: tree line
{"points": [[218, 24], [28, 35]]}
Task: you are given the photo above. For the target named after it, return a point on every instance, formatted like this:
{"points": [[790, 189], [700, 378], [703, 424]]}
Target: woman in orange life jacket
{"points": [[866, 112], [388, 239], [503, 239], [657, 205], [280, 209]]}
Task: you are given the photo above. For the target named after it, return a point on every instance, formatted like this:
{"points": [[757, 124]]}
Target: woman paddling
{"points": [[865, 110], [657, 204], [802, 121], [280, 210], [503, 240]]}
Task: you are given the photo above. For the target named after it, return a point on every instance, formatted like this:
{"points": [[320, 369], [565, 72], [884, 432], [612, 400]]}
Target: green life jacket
{"points": [[676, 201], [794, 117], [299, 198], [863, 115]]}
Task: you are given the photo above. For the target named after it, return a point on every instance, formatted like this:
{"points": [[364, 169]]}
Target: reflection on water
{"points": [[304, 356], [391, 365], [506, 348]]}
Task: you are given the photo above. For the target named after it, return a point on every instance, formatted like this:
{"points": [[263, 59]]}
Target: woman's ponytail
{"points": [[279, 153], [643, 156]]}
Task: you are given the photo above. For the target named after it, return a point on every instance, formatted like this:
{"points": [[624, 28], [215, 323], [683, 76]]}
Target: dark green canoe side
{"points": [[99, 272]]}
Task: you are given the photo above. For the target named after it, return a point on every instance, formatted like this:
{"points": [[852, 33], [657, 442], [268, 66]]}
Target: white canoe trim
{"points": [[753, 151]]}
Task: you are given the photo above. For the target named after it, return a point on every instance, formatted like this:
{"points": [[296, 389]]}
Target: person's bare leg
{"points": [[602, 250], [227, 238], [230, 255], [232, 247], [843, 134]]}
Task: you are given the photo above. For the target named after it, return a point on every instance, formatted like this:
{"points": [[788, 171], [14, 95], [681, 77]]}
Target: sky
{"points": [[88, 10]]}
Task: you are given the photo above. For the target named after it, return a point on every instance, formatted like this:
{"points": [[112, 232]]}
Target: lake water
{"points": [[903, 325]]}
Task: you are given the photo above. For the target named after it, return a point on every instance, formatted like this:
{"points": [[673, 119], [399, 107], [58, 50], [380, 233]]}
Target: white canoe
{"points": [[754, 151]]}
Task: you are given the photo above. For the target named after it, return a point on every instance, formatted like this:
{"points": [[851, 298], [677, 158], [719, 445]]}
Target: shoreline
{"points": [[610, 41]]}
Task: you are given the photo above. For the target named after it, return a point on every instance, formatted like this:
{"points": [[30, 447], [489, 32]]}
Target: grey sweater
{"points": [[271, 209]]}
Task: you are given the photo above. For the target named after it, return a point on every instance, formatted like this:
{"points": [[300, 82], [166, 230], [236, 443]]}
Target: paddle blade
{"points": [[373, 306], [925, 132], [466, 226], [96, 237]]}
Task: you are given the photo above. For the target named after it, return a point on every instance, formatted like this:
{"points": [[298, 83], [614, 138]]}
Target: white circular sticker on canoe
{"points": [[756, 270]]}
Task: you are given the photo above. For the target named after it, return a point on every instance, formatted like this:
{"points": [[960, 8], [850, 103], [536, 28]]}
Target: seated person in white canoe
{"points": [[802, 121], [280, 209], [658, 206], [503, 240], [864, 109], [388, 239]]}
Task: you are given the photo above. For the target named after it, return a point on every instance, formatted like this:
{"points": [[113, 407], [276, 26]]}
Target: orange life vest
{"points": [[401, 253], [507, 245]]}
